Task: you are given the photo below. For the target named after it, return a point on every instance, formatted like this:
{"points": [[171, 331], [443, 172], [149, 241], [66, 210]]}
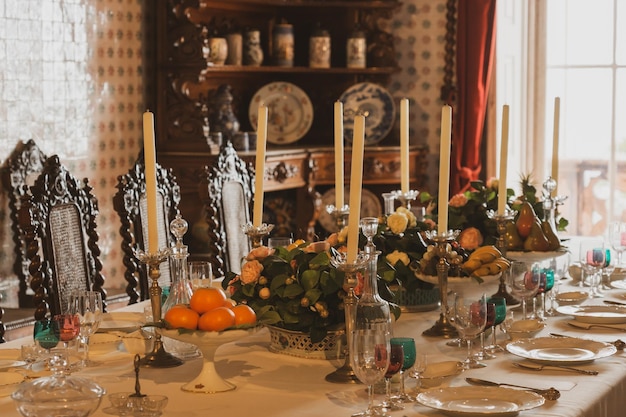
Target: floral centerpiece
{"points": [[296, 287]]}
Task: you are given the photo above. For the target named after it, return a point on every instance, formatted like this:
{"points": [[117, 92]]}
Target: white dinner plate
{"points": [[560, 350], [290, 112], [376, 104], [370, 207], [480, 401], [120, 321], [534, 256], [602, 314]]}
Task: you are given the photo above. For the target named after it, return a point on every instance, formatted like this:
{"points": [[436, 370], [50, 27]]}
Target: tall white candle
{"points": [[555, 141], [356, 185], [339, 197], [261, 142], [149, 152], [404, 146], [504, 151], [444, 169]]}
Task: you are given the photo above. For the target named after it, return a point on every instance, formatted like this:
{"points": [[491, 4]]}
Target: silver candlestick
{"points": [[406, 197]]}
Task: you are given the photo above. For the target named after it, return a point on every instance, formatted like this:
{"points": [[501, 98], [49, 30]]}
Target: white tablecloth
{"points": [[276, 385]]}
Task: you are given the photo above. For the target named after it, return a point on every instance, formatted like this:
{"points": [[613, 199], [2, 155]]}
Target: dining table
{"points": [[280, 385]]}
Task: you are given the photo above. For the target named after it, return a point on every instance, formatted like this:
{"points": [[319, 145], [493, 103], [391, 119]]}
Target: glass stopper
{"points": [[179, 227]]}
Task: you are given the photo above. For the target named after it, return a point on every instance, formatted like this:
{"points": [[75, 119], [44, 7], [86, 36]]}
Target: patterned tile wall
{"points": [[71, 78]]}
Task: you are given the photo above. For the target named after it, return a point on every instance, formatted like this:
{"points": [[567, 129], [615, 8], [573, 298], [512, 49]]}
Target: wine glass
{"points": [[87, 305], [592, 257], [617, 238], [46, 334], [408, 347], [418, 369], [370, 359], [523, 281], [69, 327], [200, 274], [546, 282], [470, 318], [499, 304], [396, 360], [483, 353], [607, 270]]}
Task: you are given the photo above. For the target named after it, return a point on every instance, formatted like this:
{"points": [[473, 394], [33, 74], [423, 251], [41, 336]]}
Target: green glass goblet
{"points": [[408, 347]]}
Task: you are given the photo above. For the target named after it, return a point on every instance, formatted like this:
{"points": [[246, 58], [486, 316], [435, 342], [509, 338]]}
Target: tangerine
{"points": [[205, 299], [244, 314], [182, 317], [217, 319]]}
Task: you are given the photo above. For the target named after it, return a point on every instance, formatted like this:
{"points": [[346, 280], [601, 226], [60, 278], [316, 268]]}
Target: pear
{"points": [[536, 240], [525, 219], [550, 234], [512, 238]]}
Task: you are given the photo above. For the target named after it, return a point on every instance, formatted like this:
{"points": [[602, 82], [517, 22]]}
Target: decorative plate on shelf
{"points": [[376, 104], [370, 207], [290, 112]]}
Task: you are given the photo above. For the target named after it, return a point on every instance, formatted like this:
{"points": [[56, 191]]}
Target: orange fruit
{"points": [[217, 319], [182, 317], [230, 303], [244, 314], [205, 299]]}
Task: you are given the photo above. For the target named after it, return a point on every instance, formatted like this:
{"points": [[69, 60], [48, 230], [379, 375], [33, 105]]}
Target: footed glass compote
{"points": [[209, 380]]}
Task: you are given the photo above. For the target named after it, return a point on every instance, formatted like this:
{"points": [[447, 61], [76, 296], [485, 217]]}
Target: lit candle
{"points": [[257, 217], [504, 150], [356, 183], [404, 146], [149, 153], [444, 169], [555, 142], [339, 198]]}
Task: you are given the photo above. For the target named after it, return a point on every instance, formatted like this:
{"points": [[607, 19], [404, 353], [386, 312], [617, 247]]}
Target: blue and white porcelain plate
{"points": [[376, 104]]}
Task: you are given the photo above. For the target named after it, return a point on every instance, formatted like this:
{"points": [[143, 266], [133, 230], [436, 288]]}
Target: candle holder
{"points": [[389, 200], [345, 374], [502, 220], [339, 214], [158, 358], [443, 327], [406, 198], [256, 234]]}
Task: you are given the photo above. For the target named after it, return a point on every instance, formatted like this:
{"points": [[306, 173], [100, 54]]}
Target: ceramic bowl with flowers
{"points": [[296, 287]]}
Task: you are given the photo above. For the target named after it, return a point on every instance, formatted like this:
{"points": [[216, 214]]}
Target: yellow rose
{"points": [[397, 223], [251, 271], [396, 256], [409, 215]]}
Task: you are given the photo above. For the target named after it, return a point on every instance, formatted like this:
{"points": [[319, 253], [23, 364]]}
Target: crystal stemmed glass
{"points": [[396, 360], [483, 353], [69, 327], [546, 282], [87, 305], [523, 282], [408, 347], [592, 258], [607, 270], [418, 369], [499, 304], [617, 238], [470, 318], [370, 359]]}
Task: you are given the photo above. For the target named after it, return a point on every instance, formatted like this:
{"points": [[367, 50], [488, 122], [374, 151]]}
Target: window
{"points": [[575, 50]]}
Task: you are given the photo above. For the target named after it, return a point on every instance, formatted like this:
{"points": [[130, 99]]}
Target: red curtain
{"points": [[475, 53]]}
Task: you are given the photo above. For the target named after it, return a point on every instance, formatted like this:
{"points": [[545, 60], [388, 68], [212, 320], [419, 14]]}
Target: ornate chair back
{"points": [[226, 192], [130, 203], [59, 220], [22, 168]]}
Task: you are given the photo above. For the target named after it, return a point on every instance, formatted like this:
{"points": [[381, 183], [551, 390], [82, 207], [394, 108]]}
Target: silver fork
{"points": [[537, 367]]}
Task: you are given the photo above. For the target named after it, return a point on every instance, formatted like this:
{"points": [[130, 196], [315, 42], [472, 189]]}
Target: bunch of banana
{"points": [[486, 260]]}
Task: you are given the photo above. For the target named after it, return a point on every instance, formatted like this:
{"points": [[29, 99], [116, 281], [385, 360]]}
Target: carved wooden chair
{"points": [[59, 220], [20, 171], [226, 192], [130, 203]]}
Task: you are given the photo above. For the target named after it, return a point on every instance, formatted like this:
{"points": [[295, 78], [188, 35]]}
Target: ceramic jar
{"points": [[252, 51], [283, 45], [235, 48], [218, 51], [319, 49], [356, 50]]}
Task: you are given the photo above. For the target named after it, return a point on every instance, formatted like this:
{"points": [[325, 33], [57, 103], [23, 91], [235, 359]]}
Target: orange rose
{"points": [[261, 253], [251, 271], [470, 238]]}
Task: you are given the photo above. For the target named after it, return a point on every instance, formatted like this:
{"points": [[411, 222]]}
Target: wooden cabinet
{"points": [[185, 84]]}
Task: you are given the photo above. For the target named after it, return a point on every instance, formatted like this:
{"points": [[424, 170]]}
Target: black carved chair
{"points": [[59, 220], [20, 171], [130, 203], [226, 192]]}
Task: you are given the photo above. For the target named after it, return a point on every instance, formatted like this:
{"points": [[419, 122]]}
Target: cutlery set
{"points": [[551, 394], [538, 367]]}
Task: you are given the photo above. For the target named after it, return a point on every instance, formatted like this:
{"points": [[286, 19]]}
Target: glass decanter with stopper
{"points": [[181, 289]]}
